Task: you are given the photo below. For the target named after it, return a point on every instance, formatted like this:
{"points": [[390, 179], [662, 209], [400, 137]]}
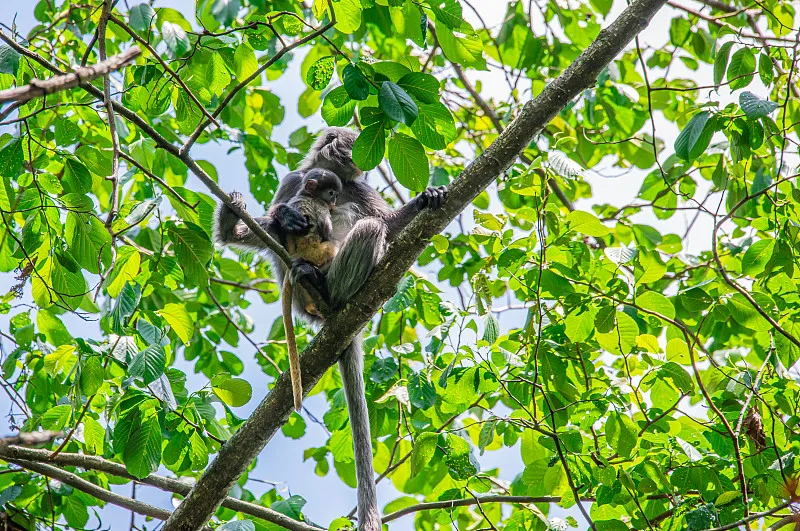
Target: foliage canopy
{"points": [[639, 365]]}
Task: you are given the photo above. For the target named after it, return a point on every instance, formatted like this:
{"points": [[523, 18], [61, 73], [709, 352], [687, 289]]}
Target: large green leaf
{"points": [[369, 147], [408, 160], [142, 453], [695, 137], [397, 104]]}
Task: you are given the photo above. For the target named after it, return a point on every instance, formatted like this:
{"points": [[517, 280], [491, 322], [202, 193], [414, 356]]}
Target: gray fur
{"points": [[364, 224]]}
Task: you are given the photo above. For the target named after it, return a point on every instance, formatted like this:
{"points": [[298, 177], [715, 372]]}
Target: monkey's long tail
{"points": [[291, 344], [351, 367]]}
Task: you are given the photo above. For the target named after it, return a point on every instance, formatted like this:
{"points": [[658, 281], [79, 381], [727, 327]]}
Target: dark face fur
{"points": [[323, 185]]}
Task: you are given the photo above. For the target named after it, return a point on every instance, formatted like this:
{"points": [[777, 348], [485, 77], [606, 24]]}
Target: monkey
{"points": [[315, 200], [364, 225]]}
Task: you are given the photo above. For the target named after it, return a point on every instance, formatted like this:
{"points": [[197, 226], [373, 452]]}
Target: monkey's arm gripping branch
{"points": [[341, 327]]}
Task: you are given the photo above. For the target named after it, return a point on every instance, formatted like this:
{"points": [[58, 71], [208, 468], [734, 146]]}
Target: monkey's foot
{"points": [[238, 200], [303, 270], [433, 197]]}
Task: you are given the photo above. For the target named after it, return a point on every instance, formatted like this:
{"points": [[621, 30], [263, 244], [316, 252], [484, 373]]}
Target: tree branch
{"points": [[91, 462], [81, 77], [451, 504], [340, 329], [83, 485], [498, 125]]}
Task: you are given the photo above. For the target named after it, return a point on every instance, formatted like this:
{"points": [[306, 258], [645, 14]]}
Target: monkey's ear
{"points": [[311, 185]]}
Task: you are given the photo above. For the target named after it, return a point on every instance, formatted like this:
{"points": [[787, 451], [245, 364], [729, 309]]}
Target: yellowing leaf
{"points": [[179, 319], [586, 223]]}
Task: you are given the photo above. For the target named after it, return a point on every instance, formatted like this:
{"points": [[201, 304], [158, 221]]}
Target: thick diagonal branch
{"points": [[82, 75], [340, 329]]}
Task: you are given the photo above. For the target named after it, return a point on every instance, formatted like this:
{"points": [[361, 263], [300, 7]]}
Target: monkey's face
{"points": [[330, 195]]}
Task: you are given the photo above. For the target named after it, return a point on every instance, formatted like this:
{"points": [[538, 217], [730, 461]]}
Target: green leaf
{"points": [[12, 158], [176, 39], [424, 448], [142, 453], [88, 239], [238, 525], [755, 107], [397, 104], [61, 361], [721, 62], [77, 176], [460, 48], [434, 126], [757, 256], [245, 63], [355, 83], [56, 417], [491, 328], [656, 302], [586, 223], [745, 313], [9, 60], [448, 12], [765, 69], [225, 11], [409, 162], [460, 462], [53, 328], [233, 391], [348, 16], [179, 319], [424, 87], [92, 376], [421, 392], [337, 107], [149, 364], [621, 434], [383, 370], [66, 132], [125, 305], [369, 147], [94, 436], [786, 350], [695, 137], [678, 375], [193, 250], [580, 326], [742, 68], [321, 72], [125, 270], [217, 76], [141, 16]]}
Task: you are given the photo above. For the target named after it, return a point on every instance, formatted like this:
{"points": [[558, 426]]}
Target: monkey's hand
{"points": [[432, 197], [302, 269], [289, 220], [238, 200]]}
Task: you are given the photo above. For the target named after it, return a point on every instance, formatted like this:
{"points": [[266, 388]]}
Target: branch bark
{"points": [[340, 329], [80, 77], [19, 454]]}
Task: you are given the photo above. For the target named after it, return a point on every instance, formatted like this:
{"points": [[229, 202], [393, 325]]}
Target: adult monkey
{"points": [[363, 224]]}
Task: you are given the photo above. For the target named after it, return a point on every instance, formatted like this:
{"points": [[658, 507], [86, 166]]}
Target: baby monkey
{"points": [[315, 200]]}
